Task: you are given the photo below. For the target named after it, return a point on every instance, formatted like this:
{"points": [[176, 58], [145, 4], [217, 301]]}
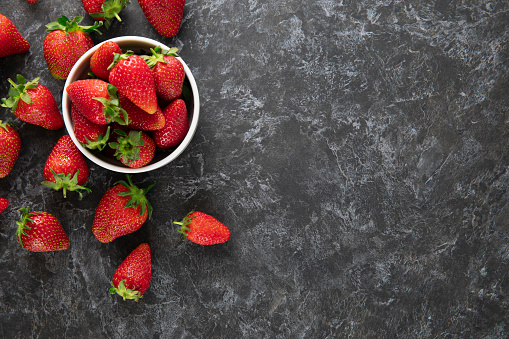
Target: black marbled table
{"points": [[357, 150]]}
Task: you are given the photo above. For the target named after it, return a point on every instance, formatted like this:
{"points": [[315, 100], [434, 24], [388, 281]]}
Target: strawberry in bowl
{"points": [[132, 83]]}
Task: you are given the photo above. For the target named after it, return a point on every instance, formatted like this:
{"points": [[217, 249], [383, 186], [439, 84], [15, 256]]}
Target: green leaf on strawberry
{"points": [[127, 146], [111, 110], [66, 25], [66, 182], [18, 92]]}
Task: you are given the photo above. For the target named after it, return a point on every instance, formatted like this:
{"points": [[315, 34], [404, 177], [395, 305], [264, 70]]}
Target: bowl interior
{"points": [[139, 45]]}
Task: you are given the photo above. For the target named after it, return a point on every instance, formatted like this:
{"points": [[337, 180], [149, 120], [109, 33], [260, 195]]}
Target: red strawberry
{"points": [[134, 149], [40, 231], [102, 59], [11, 40], [37, 105], [168, 71], [90, 135], [176, 127], [97, 101], [66, 168], [139, 119], [122, 210], [66, 43], [132, 278], [10, 144], [4, 203], [134, 79], [203, 229], [31, 1], [164, 15], [104, 10]]}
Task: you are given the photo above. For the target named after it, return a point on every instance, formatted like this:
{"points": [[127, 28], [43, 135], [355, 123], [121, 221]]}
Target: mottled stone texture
{"points": [[357, 150]]}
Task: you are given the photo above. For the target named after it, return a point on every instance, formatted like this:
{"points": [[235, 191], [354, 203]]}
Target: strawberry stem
{"points": [[184, 223]]}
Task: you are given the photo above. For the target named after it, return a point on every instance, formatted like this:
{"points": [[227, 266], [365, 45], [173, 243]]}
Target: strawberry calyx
{"points": [[158, 55], [125, 293], [110, 10], [4, 125], [137, 196], [100, 143], [18, 91], [26, 217], [66, 183], [66, 25], [111, 108], [184, 224], [117, 57], [127, 147]]}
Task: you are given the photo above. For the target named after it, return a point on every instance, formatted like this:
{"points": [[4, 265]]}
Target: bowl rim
{"points": [[121, 169]]}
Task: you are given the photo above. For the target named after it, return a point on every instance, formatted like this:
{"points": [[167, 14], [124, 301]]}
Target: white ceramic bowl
{"points": [[162, 158]]}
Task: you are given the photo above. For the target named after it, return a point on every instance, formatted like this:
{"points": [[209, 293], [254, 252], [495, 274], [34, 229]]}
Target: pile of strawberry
{"points": [[118, 112]]}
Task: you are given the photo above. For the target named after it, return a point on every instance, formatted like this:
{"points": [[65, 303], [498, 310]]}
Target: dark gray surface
{"points": [[357, 150]]}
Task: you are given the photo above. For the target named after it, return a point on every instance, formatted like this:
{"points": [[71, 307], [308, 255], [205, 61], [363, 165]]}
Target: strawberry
{"points": [[66, 43], [4, 203], [168, 71], [32, 1], [203, 229], [134, 79], [132, 278], [66, 168], [10, 145], [90, 135], [176, 126], [139, 119], [122, 210], [134, 149], [102, 59], [37, 105], [97, 101], [105, 10], [40, 231], [11, 40], [164, 15]]}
